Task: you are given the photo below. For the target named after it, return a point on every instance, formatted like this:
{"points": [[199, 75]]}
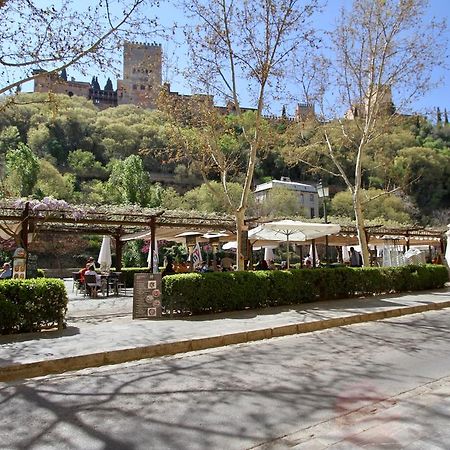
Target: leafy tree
{"points": [[425, 173], [209, 197], [376, 206], [129, 183], [51, 182], [132, 254], [9, 139], [171, 199], [84, 164], [22, 168], [378, 45], [249, 40]]}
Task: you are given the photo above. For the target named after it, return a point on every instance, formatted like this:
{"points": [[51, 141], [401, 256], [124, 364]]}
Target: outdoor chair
{"points": [[77, 285], [90, 285], [117, 282]]}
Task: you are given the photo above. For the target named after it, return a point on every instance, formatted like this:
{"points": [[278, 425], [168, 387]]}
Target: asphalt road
{"points": [[373, 385]]}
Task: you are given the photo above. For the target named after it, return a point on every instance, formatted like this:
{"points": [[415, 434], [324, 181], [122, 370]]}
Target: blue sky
{"points": [[176, 55]]}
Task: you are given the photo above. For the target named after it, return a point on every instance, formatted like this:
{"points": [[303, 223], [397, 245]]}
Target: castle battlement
{"points": [[142, 44]]}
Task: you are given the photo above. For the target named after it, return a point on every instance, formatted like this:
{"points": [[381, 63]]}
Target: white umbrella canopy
{"points": [[268, 253], [292, 231], [104, 257]]}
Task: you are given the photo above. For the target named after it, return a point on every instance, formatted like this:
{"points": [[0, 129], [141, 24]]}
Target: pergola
{"points": [[23, 219]]}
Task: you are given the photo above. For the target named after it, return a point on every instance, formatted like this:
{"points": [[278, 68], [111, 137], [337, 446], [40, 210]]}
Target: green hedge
{"points": [[30, 305], [228, 291], [128, 274]]}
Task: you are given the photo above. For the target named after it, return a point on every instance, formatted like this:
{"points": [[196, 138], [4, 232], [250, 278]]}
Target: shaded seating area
{"points": [[91, 285]]}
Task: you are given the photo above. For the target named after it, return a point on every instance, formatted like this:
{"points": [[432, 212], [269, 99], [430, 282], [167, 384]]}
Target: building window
{"points": [[134, 87], [312, 213], [302, 199], [142, 87], [311, 198]]}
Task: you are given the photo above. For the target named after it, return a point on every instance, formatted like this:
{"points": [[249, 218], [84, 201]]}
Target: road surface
{"points": [[374, 385]]}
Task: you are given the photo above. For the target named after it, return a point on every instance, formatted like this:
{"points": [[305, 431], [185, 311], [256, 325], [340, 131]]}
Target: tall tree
{"points": [[22, 169], [51, 38], [379, 45], [129, 183], [241, 49]]}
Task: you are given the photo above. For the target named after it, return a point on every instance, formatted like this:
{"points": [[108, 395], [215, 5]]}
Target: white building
{"points": [[308, 199]]}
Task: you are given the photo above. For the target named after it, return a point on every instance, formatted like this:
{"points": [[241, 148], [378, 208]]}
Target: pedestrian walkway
{"points": [[101, 331]]}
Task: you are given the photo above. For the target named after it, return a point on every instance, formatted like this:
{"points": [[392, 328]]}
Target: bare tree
{"points": [[64, 34], [380, 46], [240, 52]]}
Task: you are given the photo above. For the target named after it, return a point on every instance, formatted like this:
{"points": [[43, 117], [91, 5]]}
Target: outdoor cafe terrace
{"points": [[22, 220]]}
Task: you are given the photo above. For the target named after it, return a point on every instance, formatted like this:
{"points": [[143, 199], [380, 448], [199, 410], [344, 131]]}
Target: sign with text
{"points": [[147, 296]]}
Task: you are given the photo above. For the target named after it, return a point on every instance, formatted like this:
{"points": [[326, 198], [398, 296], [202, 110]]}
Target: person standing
{"points": [[355, 258]]}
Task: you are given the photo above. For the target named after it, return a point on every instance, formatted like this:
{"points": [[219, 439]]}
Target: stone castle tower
{"points": [[142, 75], [141, 84]]}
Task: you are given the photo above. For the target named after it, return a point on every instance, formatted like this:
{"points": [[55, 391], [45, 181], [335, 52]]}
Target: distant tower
{"points": [[142, 74]]}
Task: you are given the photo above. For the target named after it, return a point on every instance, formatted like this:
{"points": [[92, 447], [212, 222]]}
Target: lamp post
{"points": [[324, 192]]}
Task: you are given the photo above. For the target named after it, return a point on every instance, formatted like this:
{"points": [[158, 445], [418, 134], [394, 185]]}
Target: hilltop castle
{"points": [[141, 84]]}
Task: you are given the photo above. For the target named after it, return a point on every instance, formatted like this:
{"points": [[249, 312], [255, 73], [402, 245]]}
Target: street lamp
{"points": [[324, 193]]}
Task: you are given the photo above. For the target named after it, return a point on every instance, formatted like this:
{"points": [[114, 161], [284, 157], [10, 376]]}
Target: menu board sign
{"points": [[19, 263], [147, 296]]}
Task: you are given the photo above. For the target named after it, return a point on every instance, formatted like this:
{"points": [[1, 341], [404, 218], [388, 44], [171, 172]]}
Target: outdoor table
{"points": [[110, 279]]}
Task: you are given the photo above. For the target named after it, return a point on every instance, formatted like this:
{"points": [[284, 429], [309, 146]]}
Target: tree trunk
{"points": [[362, 237], [240, 227]]}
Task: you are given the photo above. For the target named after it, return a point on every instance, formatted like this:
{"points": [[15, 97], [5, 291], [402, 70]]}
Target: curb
{"points": [[60, 365]]}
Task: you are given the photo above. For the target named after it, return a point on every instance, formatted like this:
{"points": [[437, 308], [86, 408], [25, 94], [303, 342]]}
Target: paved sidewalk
{"points": [[101, 331]]}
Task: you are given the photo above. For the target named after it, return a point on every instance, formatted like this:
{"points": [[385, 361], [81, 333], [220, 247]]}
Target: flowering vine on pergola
{"points": [[22, 219]]}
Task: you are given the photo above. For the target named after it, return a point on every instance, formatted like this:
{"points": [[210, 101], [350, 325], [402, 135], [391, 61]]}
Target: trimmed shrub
{"points": [[128, 274], [228, 291], [30, 305]]}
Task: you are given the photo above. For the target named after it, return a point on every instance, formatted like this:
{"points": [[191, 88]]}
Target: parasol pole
{"points": [[287, 244]]}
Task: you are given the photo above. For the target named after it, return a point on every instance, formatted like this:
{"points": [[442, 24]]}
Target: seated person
{"points": [[262, 265], [227, 264], [90, 271], [6, 272], [83, 271], [91, 262], [169, 269], [307, 262]]}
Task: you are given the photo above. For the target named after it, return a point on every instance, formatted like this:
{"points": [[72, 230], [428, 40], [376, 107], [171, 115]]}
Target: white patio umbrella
{"points": [[268, 253], [104, 257], [292, 231]]}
